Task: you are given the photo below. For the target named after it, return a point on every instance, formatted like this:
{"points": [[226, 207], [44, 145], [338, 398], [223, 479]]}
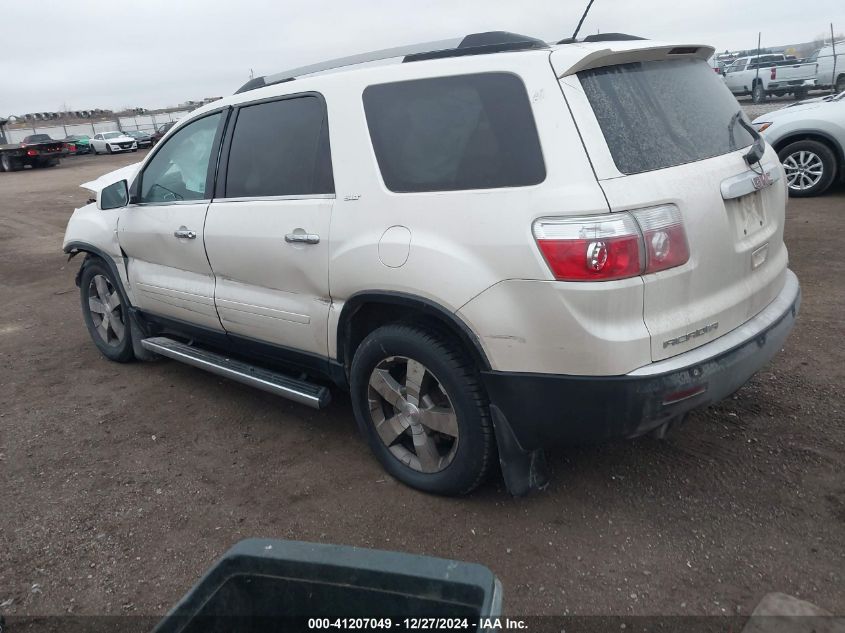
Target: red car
{"points": [[160, 132]]}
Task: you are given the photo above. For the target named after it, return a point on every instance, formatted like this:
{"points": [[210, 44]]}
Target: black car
{"points": [[144, 139]]}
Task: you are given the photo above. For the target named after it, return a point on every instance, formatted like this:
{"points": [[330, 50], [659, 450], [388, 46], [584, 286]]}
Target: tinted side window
{"points": [[453, 133], [280, 148], [179, 170]]}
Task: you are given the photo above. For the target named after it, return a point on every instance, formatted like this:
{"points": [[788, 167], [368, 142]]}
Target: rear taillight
{"points": [[774, 74], [593, 248], [614, 246], [32, 152], [664, 237]]}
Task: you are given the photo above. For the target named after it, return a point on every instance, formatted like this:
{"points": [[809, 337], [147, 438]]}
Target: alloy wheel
{"points": [[106, 310], [412, 414], [804, 169]]}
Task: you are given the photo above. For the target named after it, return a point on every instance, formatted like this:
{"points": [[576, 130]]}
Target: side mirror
{"points": [[115, 196]]}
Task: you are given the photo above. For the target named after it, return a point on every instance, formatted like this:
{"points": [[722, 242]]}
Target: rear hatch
{"points": [[661, 129]]}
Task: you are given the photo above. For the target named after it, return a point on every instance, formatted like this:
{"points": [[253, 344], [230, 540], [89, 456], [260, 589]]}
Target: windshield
{"points": [[112, 134], [664, 113]]}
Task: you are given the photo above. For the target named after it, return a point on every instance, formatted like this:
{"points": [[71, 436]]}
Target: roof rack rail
{"points": [[611, 37], [473, 44], [482, 44]]}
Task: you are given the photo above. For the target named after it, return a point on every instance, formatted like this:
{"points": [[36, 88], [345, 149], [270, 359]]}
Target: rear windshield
{"points": [[454, 133], [664, 113]]}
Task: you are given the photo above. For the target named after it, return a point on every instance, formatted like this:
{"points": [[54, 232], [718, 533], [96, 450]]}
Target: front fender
{"points": [[90, 225], [93, 231]]}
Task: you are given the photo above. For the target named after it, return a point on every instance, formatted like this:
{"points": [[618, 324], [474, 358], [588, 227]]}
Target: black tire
{"points": [[800, 94], [10, 164], [828, 163], [840, 84], [453, 374], [109, 149], [758, 93], [52, 163], [119, 349]]}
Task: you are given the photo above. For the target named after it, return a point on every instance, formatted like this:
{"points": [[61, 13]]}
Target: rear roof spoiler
{"points": [[613, 57]]}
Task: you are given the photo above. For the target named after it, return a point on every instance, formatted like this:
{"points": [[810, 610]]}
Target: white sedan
{"points": [[112, 142]]}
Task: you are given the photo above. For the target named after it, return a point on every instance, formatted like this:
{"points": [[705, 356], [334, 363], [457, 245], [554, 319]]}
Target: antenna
{"points": [[583, 17]]}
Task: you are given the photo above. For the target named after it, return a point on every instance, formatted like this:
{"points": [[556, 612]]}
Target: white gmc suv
{"points": [[495, 244]]}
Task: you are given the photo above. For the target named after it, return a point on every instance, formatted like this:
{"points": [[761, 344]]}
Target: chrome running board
{"points": [[300, 391]]}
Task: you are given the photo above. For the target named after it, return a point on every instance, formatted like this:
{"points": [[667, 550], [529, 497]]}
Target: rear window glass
{"points": [[664, 113], [454, 133]]}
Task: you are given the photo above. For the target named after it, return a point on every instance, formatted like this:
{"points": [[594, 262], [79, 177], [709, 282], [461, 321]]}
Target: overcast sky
{"points": [[156, 53]]}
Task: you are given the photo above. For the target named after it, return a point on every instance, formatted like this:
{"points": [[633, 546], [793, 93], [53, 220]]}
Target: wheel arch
{"points": [[820, 137], [365, 311], [812, 135], [75, 248]]}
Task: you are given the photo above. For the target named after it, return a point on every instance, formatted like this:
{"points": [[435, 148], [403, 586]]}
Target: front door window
{"points": [[180, 169]]}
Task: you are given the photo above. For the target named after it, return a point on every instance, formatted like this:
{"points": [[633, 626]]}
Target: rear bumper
{"points": [[792, 85], [548, 409]]}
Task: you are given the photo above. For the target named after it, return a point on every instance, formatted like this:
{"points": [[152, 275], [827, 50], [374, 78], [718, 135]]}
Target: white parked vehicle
{"points": [[771, 74], [494, 253], [112, 143], [809, 138], [831, 68]]}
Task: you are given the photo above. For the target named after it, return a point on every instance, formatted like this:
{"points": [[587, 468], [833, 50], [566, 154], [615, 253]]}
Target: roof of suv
{"points": [[567, 58], [474, 44], [491, 42]]}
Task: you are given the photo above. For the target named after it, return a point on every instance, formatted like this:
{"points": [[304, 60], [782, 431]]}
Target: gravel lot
{"points": [[121, 484]]}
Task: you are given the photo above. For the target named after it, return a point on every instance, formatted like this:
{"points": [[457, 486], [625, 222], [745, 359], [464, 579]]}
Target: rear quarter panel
{"points": [[460, 242]]}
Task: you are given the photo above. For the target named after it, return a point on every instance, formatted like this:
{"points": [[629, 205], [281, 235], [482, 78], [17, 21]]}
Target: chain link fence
{"points": [[59, 131]]}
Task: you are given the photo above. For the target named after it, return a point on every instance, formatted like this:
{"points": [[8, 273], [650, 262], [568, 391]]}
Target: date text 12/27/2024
{"points": [[417, 624]]}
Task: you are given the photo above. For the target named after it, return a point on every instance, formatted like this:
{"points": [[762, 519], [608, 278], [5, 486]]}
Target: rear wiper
{"points": [[731, 139], [755, 154]]}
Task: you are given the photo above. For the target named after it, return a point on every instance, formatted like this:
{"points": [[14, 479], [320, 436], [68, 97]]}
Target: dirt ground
{"points": [[121, 484]]}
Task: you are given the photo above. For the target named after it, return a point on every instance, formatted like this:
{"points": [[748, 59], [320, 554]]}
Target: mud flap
{"points": [[522, 470], [137, 331]]}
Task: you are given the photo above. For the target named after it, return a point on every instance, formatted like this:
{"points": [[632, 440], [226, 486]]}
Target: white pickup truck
{"points": [[770, 74]]}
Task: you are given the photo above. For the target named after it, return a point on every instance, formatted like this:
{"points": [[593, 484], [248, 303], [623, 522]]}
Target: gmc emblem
{"points": [[763, 180]]}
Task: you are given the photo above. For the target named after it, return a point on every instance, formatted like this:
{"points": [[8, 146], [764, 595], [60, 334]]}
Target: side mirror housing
{"points": [[115, 196]]}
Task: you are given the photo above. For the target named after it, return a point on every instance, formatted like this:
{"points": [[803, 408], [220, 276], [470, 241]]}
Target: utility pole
{"points": [[833, 74], [757, 75]]}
